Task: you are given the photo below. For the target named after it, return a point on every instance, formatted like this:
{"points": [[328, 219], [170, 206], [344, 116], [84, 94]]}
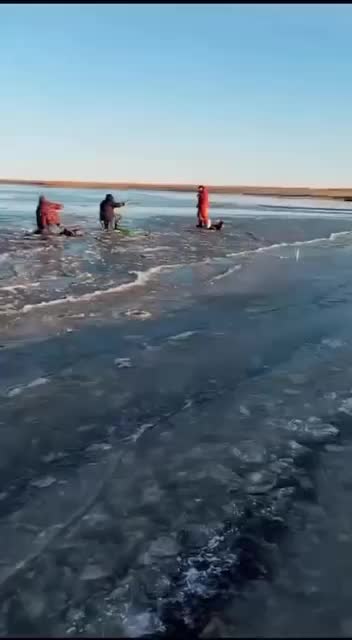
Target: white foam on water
{"points": [[236, 267], [140, 431], [154, 249], [123, 363], [244, 411], [43, 483], [335, 236], [182, 336], [23, 251], [142, 278], [346, 406], [194, 581], [280, 245], [14, 392], [14, 287], [139, 624], [333, 343], [31, 385], [37, 382]]}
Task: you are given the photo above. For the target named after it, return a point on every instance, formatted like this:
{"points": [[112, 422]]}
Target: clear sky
{"points": [[226, 94]]}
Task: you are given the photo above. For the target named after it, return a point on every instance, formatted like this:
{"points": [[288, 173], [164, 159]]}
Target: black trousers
{"points": [[108, 223]]}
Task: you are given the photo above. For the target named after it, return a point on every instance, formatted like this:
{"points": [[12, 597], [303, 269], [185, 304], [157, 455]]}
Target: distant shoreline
{"points": [[280, 192]]}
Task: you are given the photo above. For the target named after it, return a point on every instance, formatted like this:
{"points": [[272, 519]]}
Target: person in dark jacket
{"points": [[108, 218], [38, 213]]}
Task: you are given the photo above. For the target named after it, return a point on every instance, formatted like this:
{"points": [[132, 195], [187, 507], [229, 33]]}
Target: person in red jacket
{"points": [[48, 219], [48, 216], [204, 221], [203, 208]]}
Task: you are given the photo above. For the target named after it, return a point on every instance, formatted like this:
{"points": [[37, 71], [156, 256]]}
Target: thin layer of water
{"points": [[175, 412]]}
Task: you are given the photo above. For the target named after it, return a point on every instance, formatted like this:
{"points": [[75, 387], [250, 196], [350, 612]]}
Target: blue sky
{"points": [[240, 94]]}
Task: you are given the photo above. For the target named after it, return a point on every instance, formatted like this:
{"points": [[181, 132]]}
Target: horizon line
{"points": [[169, 186]]}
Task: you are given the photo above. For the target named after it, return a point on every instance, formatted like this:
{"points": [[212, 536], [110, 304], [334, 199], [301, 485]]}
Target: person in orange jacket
{"points": [[203, 208], [204, 221], [48, 219], [48, 215]]}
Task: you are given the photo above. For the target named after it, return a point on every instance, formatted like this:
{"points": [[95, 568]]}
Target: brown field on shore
{"points": [[283, 192]]}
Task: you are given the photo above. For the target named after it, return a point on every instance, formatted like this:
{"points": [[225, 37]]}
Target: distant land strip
{"points": [[281, 192]]}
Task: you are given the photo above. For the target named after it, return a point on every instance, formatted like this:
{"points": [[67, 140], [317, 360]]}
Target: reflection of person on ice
{"points": [[204, 221]]}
